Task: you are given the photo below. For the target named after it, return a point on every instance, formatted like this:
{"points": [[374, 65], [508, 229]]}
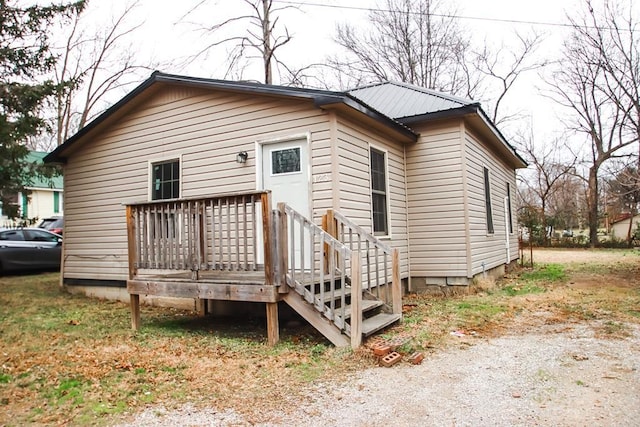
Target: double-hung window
{"points": [[165, 180], [379, 200], [487, 201]]}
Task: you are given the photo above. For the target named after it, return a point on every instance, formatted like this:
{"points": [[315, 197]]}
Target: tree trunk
{"points": [[266, 43], [592, 202], [630, 229]]}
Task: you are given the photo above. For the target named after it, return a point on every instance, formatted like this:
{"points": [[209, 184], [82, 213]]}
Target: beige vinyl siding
{"points": [[205, 130], [321, 185], [488, 250], [435, 202], [355, 183]]}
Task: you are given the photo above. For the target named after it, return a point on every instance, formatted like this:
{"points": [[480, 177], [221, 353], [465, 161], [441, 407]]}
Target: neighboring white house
{"points": [[619, 229], [42, 198]]}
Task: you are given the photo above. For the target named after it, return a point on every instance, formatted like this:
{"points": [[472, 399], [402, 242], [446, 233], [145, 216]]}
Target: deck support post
{"points": [[282, 253], [356, 299], [396, 285], [273, 328], [135, 311], [201, 307]]}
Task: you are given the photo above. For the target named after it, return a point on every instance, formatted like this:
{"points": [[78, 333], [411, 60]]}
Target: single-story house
{"points": [[42, 198], [425, 175], [620, 228]]}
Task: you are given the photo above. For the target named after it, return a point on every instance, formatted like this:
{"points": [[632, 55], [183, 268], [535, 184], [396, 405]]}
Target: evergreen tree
{"points": [[25, 58]]}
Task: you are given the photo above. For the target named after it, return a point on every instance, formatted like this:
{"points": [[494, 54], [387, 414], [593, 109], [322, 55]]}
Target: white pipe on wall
{"points": [[506, 230]]}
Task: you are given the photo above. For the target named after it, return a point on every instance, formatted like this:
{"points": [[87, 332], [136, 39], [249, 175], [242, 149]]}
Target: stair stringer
{"points": [[316, 319]]}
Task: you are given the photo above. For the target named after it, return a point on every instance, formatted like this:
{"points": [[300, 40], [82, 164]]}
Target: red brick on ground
{"points": [[391, 359]]}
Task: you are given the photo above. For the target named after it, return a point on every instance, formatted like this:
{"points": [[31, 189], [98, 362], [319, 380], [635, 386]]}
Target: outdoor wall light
{"points": [[241, 157]]}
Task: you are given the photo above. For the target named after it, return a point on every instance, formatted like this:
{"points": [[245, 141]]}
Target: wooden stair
{"points": [[375, 313], [323, 270]]}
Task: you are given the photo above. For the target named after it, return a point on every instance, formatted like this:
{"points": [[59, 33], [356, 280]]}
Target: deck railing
{"points": [[380, 263], [230, 233]]}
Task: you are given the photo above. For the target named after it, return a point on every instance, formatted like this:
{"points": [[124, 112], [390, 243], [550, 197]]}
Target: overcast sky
{"points": [[313, 28]]}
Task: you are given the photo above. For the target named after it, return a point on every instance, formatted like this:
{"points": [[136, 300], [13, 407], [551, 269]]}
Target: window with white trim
{"points": [[379, 199], [487, 201], [165, 180]]}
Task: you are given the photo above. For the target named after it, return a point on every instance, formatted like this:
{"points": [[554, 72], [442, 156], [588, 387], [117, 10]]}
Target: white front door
{"points": [[285, 171]]}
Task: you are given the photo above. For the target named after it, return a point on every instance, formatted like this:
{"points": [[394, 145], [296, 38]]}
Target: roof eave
{"points": [[357, 105], [56, 155], [461, 112], [320, 99], [520, 162], [438, 115]]}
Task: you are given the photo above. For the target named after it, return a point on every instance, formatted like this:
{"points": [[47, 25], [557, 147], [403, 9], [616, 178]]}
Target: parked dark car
{"points": [[54, 224], [27, 249]]}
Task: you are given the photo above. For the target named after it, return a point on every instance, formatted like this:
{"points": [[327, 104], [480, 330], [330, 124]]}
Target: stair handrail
{"points": [[330, 265], [336, 223]]}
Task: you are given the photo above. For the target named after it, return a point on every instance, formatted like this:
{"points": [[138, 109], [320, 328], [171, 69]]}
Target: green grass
{"points": [[522, 289], [86, 364], [548, 273], [75, 361]]}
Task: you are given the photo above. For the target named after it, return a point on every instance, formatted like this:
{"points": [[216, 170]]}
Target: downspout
{"points": [[506, 230]]}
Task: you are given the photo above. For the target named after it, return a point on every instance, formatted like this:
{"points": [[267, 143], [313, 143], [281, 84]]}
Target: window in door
{"points": [[285, 161]]}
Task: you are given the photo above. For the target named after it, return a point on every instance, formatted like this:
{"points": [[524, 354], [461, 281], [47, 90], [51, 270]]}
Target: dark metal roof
{"points": [[319, 97], [411, 104]]}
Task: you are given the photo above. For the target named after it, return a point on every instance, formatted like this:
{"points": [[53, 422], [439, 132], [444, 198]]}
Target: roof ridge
{"points": [[419, 89], [433, 92]]}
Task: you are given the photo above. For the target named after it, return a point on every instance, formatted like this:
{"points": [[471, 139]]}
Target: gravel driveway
{"points": [[560, 374]]}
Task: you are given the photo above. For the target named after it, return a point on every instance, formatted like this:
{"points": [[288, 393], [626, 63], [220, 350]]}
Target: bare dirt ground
{"points": [[562, 360]]}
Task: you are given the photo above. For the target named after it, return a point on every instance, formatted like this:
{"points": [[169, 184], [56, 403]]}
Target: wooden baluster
{"points": [[324, 266], [228, 238], [244, 228], [283, 248], [254, 232], [332, 279], [386, 282], [292, 249], [356, 300], [220, 237], [302, 257], [266, 231], [237, 232], [377, 260], [211, 259]]}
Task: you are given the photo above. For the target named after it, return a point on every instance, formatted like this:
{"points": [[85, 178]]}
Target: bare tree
{"points": [[417, 42], [421, 42], [259, 35], [547, 178], [586, 83], [96, 62], [505, 66]]}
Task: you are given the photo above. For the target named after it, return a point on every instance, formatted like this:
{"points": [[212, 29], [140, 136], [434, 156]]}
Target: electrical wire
{"points": [[452, 16]]}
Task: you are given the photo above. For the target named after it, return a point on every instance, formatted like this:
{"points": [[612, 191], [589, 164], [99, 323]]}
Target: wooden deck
{"points": [[226, 286], [234, 247]]}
